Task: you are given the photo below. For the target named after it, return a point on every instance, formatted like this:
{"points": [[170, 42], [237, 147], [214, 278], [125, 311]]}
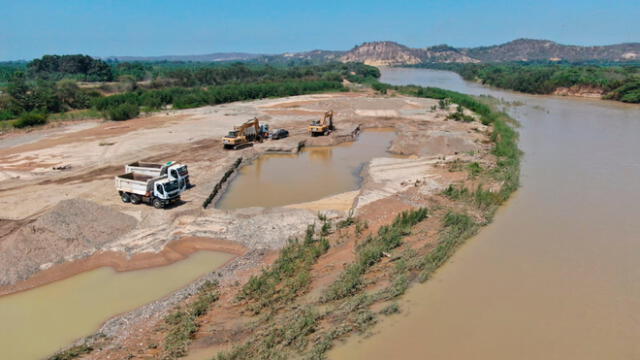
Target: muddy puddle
{"points": [[37, 322], [556, 275], [316, 172]]}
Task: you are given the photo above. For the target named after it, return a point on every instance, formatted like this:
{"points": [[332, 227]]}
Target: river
{"points": [[556, 275]]}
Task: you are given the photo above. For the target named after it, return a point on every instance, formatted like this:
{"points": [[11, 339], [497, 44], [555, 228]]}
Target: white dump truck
{"points": [[172, 169], [158, 191]]}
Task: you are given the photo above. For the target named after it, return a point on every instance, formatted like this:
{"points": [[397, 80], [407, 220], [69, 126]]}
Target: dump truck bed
{"points": [[146, 165], [134, 183], [150, 169]]}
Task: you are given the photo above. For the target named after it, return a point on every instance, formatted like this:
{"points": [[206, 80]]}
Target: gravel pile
{"points": [[84, 222], [72, 229]]}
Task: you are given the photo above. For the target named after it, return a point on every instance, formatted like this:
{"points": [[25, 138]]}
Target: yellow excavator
{"points": [[322, 127], [245, 134]]}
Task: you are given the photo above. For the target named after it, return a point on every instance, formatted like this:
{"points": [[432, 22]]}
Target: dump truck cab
{"points": [[166, 189], [177, 172]]}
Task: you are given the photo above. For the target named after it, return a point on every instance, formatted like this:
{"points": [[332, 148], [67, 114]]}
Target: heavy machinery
{"points": [[158, 191], [322, 127], [173, 170], [245, 134]]}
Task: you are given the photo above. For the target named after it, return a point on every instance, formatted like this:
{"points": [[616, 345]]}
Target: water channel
{"points": [[557, 275], [36, 323]]}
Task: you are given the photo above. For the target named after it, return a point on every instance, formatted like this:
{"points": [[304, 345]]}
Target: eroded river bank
{"points": [[555, 276]]}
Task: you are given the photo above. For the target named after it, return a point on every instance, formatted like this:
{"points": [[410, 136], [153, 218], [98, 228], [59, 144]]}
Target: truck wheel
{"points": [[157, 204], [135, 199], [125, 197]]}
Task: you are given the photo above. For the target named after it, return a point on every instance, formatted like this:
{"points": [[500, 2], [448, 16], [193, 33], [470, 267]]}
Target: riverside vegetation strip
{"points": [[613, 81], [284, 312]]}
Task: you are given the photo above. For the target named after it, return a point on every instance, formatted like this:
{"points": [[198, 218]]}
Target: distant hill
{"points": [[306, 57], [391, 53], [529, 49], [381, 53], [195, 58]]}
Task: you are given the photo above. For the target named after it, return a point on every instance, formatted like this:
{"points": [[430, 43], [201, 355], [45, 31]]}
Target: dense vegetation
{"points": [[49, 85], [83, 67], [619, 82]]}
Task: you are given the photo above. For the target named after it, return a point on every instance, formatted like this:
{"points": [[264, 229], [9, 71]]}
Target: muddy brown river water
{"points": [[35, 323], [316, 172], [557, 275]]}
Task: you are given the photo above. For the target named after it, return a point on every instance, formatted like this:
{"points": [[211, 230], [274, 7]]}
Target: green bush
{"points": [[30, 119], [6, 115], [619, 82], [123, 112], [371, 251]]}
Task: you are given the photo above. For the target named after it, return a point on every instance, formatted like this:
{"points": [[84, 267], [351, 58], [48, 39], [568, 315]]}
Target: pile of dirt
{"points": [[72, 229]]}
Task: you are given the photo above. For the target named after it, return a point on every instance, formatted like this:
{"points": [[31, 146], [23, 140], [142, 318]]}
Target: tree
{"points": [[70, 94], [19, 92], [59, 66]]}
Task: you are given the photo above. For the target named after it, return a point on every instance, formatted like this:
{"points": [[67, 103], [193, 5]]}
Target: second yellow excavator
{"points": [[322, 127], [245, 134]]}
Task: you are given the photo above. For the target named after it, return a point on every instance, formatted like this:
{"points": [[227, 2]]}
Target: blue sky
{"points": [[31, 28]]}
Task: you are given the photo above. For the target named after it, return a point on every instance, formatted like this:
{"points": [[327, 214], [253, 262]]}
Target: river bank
{"points": [[554, 275], [390, 187], [619, 82]]}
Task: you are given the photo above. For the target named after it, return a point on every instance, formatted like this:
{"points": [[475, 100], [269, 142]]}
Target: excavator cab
{"points": [[322, 127], [233, 139], [232, 134]]}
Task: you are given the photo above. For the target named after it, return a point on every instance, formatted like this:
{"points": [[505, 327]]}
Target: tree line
{"points": [[39, 88], [618, 81]]}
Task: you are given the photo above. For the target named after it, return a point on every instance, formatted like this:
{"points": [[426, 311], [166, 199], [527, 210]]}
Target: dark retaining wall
{"points": [[218, 186]]}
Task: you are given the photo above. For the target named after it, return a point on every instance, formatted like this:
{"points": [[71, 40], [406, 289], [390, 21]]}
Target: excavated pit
{"points": [[314, 173]]}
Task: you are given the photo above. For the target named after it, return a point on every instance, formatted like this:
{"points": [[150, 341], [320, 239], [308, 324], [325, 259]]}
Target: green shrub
{"points": [[124, 111], [30, 119], [292, 269], [6, 115], [474, 169], [371, 251], [72, 352], [393, 308]]}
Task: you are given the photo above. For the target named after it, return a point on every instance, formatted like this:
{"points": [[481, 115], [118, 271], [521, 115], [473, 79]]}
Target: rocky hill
{"points": [[382, 53], [388, 53], [391, 53], [529, 49]]}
